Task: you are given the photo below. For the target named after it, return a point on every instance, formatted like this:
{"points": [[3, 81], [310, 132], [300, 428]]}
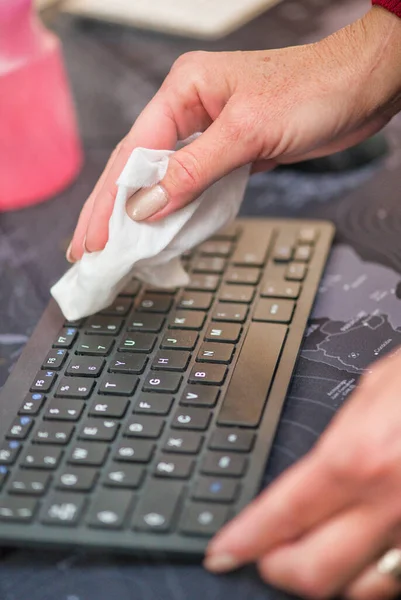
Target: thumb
{"points": [[219, 150]]}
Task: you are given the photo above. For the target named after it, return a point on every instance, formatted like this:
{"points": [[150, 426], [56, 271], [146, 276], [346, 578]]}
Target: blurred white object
{"points": [[41, 4], [195, 18]]}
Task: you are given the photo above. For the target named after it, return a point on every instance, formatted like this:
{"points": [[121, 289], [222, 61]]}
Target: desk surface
{"points": [[357, 317]]}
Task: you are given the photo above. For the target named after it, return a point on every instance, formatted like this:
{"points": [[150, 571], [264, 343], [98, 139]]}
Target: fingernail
{"points": [[68, 254], [146, 203], [220, 563]]}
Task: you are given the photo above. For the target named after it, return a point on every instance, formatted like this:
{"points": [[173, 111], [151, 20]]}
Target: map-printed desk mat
{"points": [[357, 318]]}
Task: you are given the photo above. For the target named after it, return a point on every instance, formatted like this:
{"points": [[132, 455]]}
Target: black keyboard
{"points": [[148, 426]]}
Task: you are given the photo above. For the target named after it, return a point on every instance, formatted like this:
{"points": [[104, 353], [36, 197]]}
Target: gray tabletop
{"points": [[114, 71]]}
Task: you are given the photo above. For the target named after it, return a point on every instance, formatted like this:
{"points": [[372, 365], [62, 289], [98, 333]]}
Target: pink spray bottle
{"points": [[40, 152]]}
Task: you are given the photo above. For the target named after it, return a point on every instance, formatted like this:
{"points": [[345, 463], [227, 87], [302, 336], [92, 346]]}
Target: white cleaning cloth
{"points": [[149, 251]]}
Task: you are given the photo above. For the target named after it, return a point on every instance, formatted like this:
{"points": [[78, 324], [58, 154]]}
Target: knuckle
{"points": [[190, 60], [184, 172], [242, 123]]}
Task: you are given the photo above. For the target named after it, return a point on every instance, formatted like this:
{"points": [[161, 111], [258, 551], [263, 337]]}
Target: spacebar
{"points": [[247, 392]]}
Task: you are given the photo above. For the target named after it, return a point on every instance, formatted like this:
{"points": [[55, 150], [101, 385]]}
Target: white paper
{"points": [[149, 251]]}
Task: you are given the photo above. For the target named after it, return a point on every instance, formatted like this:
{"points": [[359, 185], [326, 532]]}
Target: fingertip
{"points": [[69, 256]]}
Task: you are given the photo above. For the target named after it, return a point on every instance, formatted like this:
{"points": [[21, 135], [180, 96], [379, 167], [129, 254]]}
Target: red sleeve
{"points": [[393, 6]]}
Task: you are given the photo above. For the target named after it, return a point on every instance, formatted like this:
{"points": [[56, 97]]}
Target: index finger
{"points": [[154, 128], [298, 501]]}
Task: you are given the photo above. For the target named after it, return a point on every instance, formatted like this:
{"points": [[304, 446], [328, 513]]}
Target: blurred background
{"points": [[107, 59]]}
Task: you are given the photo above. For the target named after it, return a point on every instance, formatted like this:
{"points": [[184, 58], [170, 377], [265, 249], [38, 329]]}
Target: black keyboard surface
{"points": [[148, 426]]}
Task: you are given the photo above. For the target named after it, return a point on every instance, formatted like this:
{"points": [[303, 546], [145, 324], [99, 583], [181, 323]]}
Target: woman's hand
{"points": [[320, 529], [264, 107]]}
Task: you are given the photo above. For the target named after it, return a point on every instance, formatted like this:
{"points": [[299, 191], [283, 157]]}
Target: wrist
{"points": [[367, 64], [382, 74]]}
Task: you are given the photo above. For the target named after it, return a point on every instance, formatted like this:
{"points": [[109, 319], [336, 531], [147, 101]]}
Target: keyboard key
{"points": [[174, 467], [65, 410], [234, 313], [252, 250], [137, 342], [296, 272], [208, 265], [77, 479], [54, 433], [131, 289], [203, 519], [109, 509], [77, 323], [209, 374], [243, 275], [214, 489], [154, 404], [134, 451], [124, 476], [66, 337], [253, 374], [94, 345], [215, 248], [63, 509], [308, 235], [281, 289], [217, 353], [218, 463], [85, 366], [32, 404], [29, 483], [102, 325], [119, 308], [235, 440], [4, 471], [55, 359], [223, 333], [158, 506], [128, 363], [207, 283], [180, 340], [148, 322], [155, 303], [274, 311], [187, 320], [303, 254], [171, 360], [43, 381], [108, 407], [42, 457], [75, 387], [9, 452], [229, 232], [116, 384], [195, 301], [197, 395], [15, 509], [183, 442], [144, 427], [236, 293], [283, 250], [162, 382], [20, 428], [98, 430], [90, 454], [191, 418]]}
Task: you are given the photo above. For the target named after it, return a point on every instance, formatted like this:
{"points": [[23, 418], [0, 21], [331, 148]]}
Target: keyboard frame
{"points": [[162, 545]]}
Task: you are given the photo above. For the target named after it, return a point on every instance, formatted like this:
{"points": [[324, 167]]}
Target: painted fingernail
{"points": [[68, 254], [146, 203], [220, 563]]}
